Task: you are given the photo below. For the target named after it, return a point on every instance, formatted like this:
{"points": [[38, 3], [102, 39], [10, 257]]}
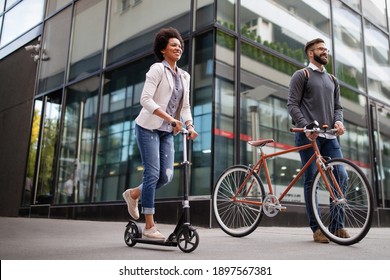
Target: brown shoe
{"points": [[342, 233], [319, 237]]}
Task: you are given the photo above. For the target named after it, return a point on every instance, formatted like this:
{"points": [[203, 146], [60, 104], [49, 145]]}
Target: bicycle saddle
{"points": [[260, 142]]}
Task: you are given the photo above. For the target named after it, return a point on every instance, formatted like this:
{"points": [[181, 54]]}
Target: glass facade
{"points": [[31, 11], [240, 54]]}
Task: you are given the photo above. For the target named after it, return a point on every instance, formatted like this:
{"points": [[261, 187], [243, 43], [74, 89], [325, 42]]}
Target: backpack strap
{"points": [[306, 73]]}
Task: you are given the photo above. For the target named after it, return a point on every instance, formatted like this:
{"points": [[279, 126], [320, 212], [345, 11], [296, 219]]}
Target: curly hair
{"points": [[161, 41]]}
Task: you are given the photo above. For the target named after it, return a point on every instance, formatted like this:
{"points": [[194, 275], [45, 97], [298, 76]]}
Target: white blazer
{"points": [[156, 94]]}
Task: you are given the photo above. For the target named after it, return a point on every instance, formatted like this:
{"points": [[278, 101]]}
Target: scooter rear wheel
{"points": [[132, 231]]}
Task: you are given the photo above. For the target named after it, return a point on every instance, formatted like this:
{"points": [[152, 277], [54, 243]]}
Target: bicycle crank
{"points": [[271, 206]]}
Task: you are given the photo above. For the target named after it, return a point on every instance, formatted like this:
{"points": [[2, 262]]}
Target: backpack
{"points": [[306, 73]]}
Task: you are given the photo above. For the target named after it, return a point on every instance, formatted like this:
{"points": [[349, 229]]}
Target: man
{"points": [[314, 95]]}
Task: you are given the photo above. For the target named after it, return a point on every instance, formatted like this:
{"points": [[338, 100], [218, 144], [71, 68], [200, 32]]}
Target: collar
{"points": [[315, 68], [166, 64]]}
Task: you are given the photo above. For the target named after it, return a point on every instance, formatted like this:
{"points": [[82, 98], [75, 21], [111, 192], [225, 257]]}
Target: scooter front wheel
{"points": [[188, 240], [132, 231]]}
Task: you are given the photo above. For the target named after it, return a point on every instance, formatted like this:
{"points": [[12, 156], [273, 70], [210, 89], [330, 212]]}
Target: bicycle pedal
{"points": [[283, 209]]}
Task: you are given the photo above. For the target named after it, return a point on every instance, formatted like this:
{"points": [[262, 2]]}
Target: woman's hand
{"points": [[192, 133], [177, 126]]}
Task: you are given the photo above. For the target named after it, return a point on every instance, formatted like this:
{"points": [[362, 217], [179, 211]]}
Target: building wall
{"points": [[17, 93], [94, 56]]}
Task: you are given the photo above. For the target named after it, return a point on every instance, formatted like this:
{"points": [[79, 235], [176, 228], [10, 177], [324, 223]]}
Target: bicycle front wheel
{"points": [[237, 201], [351, 211]]}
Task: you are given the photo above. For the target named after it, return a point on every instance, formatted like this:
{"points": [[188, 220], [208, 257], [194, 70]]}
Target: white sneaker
{"points": [[153, 233], [132, 204]]}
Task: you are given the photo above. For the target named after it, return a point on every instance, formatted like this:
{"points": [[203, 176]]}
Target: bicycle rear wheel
{"points": [[238, 211], [353, 212]]}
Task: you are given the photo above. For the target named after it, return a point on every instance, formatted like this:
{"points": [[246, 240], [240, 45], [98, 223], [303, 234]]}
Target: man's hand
{"points": [[340, 128]]}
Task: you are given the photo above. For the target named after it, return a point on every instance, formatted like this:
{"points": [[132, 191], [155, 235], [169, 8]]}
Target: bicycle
{"points": [[340, 191]]}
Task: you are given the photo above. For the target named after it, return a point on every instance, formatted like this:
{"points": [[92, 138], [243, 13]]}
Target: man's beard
{"points": [[320, 60]]}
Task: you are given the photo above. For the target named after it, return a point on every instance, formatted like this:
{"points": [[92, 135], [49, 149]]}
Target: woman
{"points": [[165, 104]]}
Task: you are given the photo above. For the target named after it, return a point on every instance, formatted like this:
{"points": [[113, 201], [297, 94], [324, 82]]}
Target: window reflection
{"points": [[132, 27], [119, 163], [375, 11], [278, 24], [378, 62], [77, 142], [382, 154], [225, 103], [55, 43], [226, 13], [202, 114], [55, 5], [348, 46], [49, 141], [86, 54], [204, 13], [353, 3], [30, 11], [32, 153], [10, 3]]}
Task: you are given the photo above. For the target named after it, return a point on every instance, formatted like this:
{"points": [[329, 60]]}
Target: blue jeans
{"points": [[328, 148], [157, 154]]}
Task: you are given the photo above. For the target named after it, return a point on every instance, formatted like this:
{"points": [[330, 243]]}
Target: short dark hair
{"points": [[161, 41], [311, 43]]}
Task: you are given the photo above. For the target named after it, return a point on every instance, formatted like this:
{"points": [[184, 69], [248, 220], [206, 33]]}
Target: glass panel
{"points": [[77, 142], [55, 45], [32, 154], [119, 164], [55, 5], [353, 3], [1, 6], [348, 46], [382, 154], [10, 3], [31, 11], [264, 114], [226, 13], [225, 104], [378, 62], [86, 54], [375, 11], [142, 19], [202, 114], [278, 24], [1, 24], [48, 142], [355, 142], [204, 13]]}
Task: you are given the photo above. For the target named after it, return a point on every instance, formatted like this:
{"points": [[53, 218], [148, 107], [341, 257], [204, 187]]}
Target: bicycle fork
{"points": [[334, 189]]}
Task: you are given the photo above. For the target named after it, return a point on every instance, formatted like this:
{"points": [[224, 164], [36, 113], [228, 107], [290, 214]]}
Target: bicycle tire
{"points": [[237, 219], [354, 213]]}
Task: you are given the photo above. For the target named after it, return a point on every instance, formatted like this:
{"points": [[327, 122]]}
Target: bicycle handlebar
{"points": [[314, 130]]}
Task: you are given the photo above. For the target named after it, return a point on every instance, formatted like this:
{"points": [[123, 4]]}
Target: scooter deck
{"points": [[155, 242]]}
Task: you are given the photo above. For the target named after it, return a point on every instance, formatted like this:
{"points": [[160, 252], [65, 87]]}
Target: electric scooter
{"points": [[184, 235]]}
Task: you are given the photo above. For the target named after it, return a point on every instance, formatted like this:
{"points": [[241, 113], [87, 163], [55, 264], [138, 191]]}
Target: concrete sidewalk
{"points": [[51, 239]]}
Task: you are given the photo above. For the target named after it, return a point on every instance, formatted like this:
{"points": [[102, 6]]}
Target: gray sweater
{"points": [[320, 102]]}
